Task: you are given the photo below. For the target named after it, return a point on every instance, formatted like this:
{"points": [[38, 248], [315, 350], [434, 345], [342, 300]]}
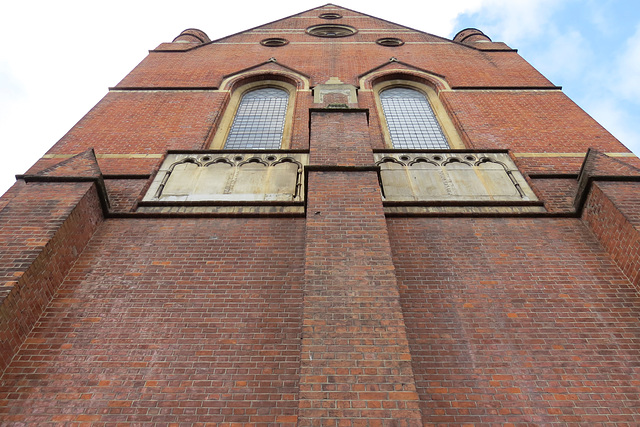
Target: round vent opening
{"points": [[329, 30], [274, 42], [330, 15], [390, 41]]}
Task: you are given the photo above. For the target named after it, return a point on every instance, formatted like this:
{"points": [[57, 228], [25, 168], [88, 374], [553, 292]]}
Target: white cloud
{"points": [[617, 119], [601, 16], [628, 69], [565, 57], [514, 21], [11, 88]]}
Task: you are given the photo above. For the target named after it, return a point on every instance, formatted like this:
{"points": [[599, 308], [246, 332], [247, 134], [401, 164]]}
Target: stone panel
{"points": [[451, 176], [229, 177]]}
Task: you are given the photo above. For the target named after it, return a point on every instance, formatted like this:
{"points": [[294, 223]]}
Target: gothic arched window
{"points": [[259, 121], [410, 119]]}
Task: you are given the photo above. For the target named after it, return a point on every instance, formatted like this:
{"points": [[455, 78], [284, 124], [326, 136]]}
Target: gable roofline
{"points": [[404, 26], [268, 23], [338, 6]]}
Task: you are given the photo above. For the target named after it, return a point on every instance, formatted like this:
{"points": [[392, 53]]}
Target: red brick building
{"points": [[330, 219]]}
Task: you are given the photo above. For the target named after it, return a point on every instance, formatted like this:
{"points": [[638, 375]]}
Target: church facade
{"points": [[330, 219]]}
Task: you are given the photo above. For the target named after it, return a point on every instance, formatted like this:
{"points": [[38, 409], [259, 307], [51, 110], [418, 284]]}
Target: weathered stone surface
{"points": [[451, 177], [229, 177]]}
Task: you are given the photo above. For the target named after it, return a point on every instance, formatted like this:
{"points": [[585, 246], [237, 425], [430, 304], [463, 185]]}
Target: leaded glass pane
{"points": [[259, 121], [411, 121]]}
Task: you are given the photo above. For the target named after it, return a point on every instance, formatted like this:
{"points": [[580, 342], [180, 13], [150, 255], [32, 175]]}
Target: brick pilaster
{"points": [[355, 364], [43, 229], [612, 213]]}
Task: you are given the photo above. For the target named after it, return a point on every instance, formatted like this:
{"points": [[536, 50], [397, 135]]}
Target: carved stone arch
{"points": [[288, 160], [500, 179], [488, 160], [422, 160], [253, 160], [180, 178], [219, 160], [235, 81], [389, 160], [451, 160], [186, 160], [432, 80], [239, 85]]}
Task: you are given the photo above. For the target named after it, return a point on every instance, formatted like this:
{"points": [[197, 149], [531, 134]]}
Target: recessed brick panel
{"points": [[124, 193], [558, 194]]}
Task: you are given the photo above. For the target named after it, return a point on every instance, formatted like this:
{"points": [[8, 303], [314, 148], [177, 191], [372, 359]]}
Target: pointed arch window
{"points": [[411, 122], [259, 121]]}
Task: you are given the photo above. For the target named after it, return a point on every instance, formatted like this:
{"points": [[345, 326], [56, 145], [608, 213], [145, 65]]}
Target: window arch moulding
{"points": [[235, 106], [441, 115]]}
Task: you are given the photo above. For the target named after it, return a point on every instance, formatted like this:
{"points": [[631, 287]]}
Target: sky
{"points": [[58, 59]]}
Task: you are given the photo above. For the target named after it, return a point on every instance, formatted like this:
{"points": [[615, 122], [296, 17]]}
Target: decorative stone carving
{"points": [[334, 86], [450, 176], [229, 177]]}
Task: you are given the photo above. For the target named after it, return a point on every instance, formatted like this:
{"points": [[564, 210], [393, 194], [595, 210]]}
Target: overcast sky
{"points": [[58, 58]]}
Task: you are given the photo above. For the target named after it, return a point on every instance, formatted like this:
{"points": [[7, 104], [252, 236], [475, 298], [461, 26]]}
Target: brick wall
{"points": [[341, 318], [165, 321], [558, 193], [124, 193], [322, 58], [515, 321], [144, 123], [530, 122]]}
